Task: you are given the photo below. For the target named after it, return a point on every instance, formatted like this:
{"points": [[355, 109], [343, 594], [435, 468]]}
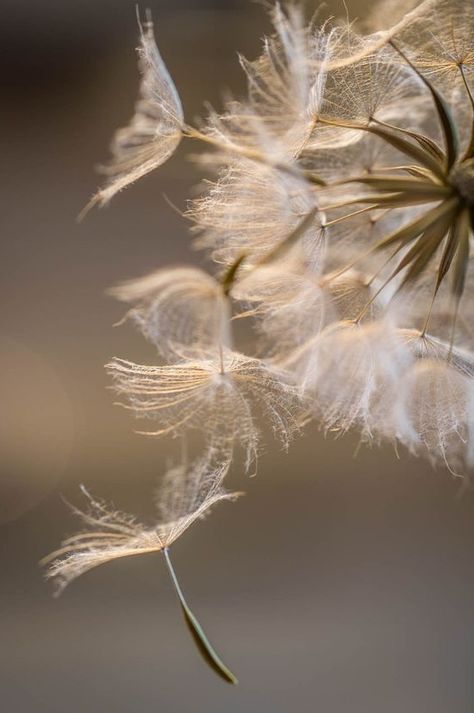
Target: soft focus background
{"points": [[337, 584]]}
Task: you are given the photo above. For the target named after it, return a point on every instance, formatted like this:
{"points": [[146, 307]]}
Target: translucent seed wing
{"points": [[154, 131]]}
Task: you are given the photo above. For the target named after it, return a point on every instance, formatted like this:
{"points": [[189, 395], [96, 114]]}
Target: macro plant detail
{"points": [[340, 220], [186, 494]]}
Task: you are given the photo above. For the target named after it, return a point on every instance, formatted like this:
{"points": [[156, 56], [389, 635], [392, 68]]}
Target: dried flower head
{"points": [[344, 196], [341, 218], [393, 200]]}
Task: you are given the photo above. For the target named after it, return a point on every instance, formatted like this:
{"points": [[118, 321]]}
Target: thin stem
{"points": [[353, 201], [466, 85], [470, 148], [351, 264], [452, 334], [200, 639], [454, 324], [370, 302], [221, 358], [384, 265], [428, 316], [348, 215], [192, 133]]}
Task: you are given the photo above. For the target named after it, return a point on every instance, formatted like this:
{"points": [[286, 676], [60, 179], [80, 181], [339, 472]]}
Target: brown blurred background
{"points": [[337, 584]]}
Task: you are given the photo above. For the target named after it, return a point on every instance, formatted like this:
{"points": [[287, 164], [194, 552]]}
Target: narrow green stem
{"points": [[200, 639]]}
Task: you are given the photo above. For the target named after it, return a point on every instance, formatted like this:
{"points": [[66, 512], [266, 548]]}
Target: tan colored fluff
{"points": [[187, 493]]}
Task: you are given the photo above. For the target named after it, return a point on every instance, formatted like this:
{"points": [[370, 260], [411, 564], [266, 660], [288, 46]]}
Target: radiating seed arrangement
{"points": [[340, 222]]}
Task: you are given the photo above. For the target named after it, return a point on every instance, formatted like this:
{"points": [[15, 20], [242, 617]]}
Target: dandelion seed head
{"points": [[339, 217]]}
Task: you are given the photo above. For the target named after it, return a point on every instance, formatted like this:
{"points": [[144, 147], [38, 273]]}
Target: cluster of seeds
{"points": [[340, 221]]}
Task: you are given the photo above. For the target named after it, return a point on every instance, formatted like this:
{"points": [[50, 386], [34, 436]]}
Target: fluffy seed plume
{"points": [[180, 309], [217, 396], [350, 369], [155, 130], [435, 414], [251, 209], [188, 494]]}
